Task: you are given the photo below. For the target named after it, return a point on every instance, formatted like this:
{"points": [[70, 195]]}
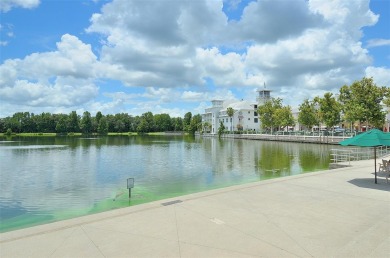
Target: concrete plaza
{"points": [[333, 213]]}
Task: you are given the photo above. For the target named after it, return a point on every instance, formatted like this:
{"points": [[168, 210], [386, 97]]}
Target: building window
{"points": [[249, 118], [231, 120], [255, 114], [249, 112], [255, 106], [256, 120]]}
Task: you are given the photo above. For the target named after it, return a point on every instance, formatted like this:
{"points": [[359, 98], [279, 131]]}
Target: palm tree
{"points": [[230, 113], [206, 127]]}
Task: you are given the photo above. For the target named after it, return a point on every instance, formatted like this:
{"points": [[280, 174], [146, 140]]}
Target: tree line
{"points": [[362, 102], [26, 122]]}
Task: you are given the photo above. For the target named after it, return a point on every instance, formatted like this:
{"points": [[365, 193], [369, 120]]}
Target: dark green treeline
{"points": [[26, 122]]}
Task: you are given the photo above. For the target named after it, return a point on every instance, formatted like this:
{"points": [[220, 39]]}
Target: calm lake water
{"points": [[46, 179]]}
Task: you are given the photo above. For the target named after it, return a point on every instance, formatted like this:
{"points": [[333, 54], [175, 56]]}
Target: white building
{"points": [[386, 126], [245, 115]]}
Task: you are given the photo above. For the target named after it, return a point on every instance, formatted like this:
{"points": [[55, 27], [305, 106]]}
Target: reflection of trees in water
{"points": [[222, 154], [311, 159], [98, 141], [274, 157], [240, 151]]}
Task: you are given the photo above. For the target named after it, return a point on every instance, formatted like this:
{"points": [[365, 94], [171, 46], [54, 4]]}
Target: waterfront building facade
{"points": [[245, 115]]}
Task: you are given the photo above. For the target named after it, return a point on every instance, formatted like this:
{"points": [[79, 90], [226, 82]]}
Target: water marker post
{"points": [[130, 184]]}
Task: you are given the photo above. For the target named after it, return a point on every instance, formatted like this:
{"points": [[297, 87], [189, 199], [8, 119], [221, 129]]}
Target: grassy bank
{"points": [[29, 134]]}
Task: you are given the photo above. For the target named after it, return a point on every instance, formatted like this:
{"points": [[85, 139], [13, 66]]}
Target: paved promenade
{"points": [[335, 213]]}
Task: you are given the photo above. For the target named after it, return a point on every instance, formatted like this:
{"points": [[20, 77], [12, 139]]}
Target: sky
{"points": [[175, 56]]}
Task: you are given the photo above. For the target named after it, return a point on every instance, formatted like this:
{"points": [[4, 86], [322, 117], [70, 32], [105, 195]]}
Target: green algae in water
{"points": [[120, 199], [22, 221]]}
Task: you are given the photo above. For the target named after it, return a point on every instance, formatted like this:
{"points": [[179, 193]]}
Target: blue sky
{"points": [[172, 57]]}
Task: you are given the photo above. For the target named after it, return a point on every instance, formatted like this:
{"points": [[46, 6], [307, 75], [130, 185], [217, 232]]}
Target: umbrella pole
{"points": [[375, 163]]}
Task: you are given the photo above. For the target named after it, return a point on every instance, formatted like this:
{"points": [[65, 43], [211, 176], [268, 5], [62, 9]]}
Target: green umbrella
{"points": [[372, 138]]}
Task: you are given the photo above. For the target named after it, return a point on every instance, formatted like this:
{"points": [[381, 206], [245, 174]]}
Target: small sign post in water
{"points": [[130, 184]]}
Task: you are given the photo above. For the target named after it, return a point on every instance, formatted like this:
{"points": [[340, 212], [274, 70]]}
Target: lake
{"points": [[46, 179]]}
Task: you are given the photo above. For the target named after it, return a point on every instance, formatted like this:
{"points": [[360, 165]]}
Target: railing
{"points": [[346, 155], [287, 137]]}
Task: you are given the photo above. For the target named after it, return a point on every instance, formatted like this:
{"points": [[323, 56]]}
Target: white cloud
{"points": [[349, 16], [192, 96], [381, 75], [316, 40], [269, 21], [6, 34], [172, 49], [64, 77], [144, 49], [6, 5], [71, 59], [378, 43]]}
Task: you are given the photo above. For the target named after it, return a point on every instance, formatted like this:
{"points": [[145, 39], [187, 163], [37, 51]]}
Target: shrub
{"points": [[9, 131]]}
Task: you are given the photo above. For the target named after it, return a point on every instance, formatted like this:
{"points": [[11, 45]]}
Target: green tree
{"points": [[206, 127], [45, 123], [86, 123], [95, 121], [73, 122], [195, 125], [267, 112], [98, 116], [307, 114], [119, 126], [230, 113], [12, 123], [149, 119], [163, 122], [2, 125], [110, 123], [25, 122], [221, 129], [8, 132], [18, 121], [147, 123], [134, 122], [187, 121], [330, 110], [361, 102], [102, 126], [143, 126], [283, 117], [177, 123], [61, 126], [386, 100]]}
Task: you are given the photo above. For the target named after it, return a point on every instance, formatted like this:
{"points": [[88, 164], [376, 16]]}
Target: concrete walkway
{"points": [[336, 213]]}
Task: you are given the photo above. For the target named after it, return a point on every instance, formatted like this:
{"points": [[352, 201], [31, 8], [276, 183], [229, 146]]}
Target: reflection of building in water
{"points": [[386, 126], [263, 158], [245, 115]]}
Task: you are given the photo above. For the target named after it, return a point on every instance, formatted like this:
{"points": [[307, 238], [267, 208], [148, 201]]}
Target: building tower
{"points": [[264, 96]]}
